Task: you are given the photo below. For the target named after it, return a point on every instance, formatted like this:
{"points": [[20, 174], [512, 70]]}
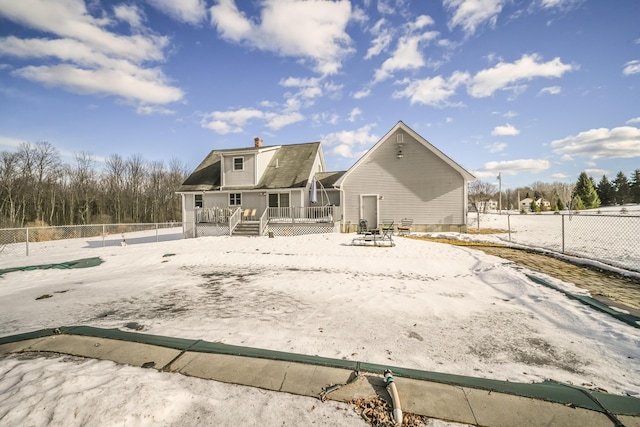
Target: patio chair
{"points": [[245, 214], [387, 225], [253, 214], [386, 238], [405, 227]]}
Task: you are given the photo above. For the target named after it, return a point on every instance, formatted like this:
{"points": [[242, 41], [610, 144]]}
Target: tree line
{"points": [[584, 194], [38, 188]]}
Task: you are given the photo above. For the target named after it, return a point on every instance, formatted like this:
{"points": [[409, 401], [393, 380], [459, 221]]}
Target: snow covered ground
{"points": [[419, 304], [598, 234]]}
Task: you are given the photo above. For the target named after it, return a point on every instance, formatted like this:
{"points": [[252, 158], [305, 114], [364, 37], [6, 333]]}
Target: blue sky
{"points": [[536, 90]]}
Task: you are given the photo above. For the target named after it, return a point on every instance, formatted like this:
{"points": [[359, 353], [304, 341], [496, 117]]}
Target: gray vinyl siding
{"points": [[246, 177], [420, 185], [212, 200]]}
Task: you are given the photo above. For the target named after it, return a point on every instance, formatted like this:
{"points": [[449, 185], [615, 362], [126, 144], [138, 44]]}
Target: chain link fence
{"points": [[612, 239], [32, 240]]}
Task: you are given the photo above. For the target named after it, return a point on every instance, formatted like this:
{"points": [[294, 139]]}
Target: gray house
{"points": [[404, 176], [244, 190], [285, 189]]}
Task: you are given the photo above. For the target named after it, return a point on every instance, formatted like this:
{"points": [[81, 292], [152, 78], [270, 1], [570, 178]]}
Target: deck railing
{"points": [[214, 215], [274, 215], [234, 219], [303, 214]]}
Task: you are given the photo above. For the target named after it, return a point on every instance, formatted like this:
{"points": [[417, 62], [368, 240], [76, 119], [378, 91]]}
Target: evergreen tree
{"points": [[621, 184], [586, 192], [606, 192], [578, 205], [635, 186]]}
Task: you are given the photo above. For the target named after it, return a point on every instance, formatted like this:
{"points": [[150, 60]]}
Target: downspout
{"points": [[342, 208]]}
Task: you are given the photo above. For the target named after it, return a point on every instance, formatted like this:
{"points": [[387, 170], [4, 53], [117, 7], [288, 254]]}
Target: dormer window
{"points": [[238, 163]]}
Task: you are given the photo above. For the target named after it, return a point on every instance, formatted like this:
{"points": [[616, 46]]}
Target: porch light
{"points": [[399, 155]]}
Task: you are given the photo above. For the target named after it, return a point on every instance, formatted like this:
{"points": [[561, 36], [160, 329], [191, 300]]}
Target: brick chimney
{"points": [[258, 141]]}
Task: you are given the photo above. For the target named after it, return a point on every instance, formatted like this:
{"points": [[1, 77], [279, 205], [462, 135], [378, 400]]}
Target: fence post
{"points": [[156, 232], [509, 225], [27, 241], [103, 232], [563, 233]]}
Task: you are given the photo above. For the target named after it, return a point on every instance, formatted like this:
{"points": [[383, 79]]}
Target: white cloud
{"points": [[321, 118], [12, 143], [147, 110], [596, 172], [354, 114], [602, 143], [381, 41], [307, 88], [351, 143], [559, 176], [314, 31], [188, 11], [559, 4], [472, 14], [231, 121], [496, 147], [149, 87], [386, 7], [130, 14], [551, 90], [507, 130], [91, 59], [70, 19], [631, 67], [513, 167], [634, 120], [408, 54], [506, 75], [278, 121], [432, 91], [362, 93]]}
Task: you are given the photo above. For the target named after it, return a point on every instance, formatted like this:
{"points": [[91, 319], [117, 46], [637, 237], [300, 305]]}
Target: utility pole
{"points": [[500, 192]]}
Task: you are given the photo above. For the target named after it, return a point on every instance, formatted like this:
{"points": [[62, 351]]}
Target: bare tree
{"points": [[114, 179], [480, 193], [9, 184], [134, 181], [83, 187]]}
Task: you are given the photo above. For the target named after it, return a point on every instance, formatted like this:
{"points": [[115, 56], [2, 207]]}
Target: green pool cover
{"points": [[550, 391], [79, 263]]}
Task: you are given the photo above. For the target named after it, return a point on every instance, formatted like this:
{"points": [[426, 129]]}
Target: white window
{"points": [[238, 163], [198, 201], [235, 199]]}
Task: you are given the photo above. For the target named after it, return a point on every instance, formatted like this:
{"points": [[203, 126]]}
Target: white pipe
{"points": [[393, 392]]}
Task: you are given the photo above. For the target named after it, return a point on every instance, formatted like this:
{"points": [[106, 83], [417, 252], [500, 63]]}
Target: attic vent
{"points": [[400, 139]]}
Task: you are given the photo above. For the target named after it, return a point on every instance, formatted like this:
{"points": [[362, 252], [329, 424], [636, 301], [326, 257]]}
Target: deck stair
{"points": [[247, 228]]}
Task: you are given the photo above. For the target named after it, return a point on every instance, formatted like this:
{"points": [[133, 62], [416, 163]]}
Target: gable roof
{"points": [[327, 179], [400, 125], [290, 167]]}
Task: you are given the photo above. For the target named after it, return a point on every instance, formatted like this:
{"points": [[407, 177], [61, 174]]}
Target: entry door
{"points": [[370, 210]]}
